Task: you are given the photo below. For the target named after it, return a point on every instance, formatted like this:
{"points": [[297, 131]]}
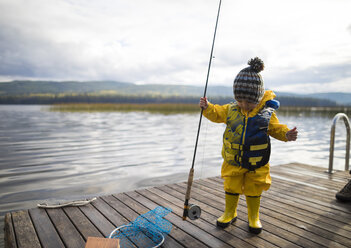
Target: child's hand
{"points": [[291, 135], [203, 103]]}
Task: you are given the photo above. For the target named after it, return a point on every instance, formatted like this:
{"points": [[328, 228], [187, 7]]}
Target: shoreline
{"points": [[175, 107]]}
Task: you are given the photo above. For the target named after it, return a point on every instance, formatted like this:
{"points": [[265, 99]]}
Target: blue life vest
{"points": [[246, 142]]}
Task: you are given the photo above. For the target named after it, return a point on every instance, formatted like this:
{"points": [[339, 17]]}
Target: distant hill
{"points": [[25, 88], [338, 97], [53, 87]]}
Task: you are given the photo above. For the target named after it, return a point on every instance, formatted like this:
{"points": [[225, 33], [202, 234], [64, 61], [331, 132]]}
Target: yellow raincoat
{"points": [[238, 179]]}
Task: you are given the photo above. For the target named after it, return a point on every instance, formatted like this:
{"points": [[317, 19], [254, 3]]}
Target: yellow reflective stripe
{"points": [[236, 146], [258, 147], [240, 147], [254, 160], [233, 146]]}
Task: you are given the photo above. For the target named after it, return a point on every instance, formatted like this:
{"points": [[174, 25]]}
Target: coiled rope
{"points": [[67, 204]]}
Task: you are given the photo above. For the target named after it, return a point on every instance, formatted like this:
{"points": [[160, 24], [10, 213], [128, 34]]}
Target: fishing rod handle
{"points": [[190, 182], [187, 194]]}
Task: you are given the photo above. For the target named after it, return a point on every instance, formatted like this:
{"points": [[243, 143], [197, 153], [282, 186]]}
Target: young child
{"points": [[246, 144]]}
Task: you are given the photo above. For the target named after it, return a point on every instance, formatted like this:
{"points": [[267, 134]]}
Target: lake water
{"points": [[52, 156]]}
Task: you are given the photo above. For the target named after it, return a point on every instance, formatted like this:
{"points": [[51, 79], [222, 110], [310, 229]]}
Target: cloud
{"points": [[343, 85], [169, 41], [324, 78], [124, 42], [29, 56], [317, 74]]}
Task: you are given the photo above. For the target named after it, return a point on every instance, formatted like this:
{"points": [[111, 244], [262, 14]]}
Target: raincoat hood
{"points": [[268, 95]]}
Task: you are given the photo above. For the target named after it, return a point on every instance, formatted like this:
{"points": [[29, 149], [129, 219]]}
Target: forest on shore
{"points": [[288, 101], [53, 92]]}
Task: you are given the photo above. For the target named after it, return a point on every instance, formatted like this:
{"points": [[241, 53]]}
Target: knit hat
{"points": [[248, 84]]}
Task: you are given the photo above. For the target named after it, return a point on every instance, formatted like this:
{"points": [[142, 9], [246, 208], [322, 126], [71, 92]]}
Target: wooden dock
{"points": [[299, 210]]}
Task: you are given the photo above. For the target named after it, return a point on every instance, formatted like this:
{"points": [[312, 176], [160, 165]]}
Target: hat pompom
{"points": [[256, 64]]}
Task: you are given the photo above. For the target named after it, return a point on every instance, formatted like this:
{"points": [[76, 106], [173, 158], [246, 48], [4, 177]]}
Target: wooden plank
{"points": [[170, 241], [309, 184], [123, 209], [24, 230], [112, 214], [67, 231], [340, 174], [131, 215], [201, 223], [208, 224], [332, 181], [47, 233], [238, 229], [325, 177], [311, 169], [310, 195], [340, 228], [271, 225], [10, 238], [318, 199], [291, 224], [303, 228], [288, 202], [108, 209], [330, 219], [183, 237], [309, 180], [206, 237], [216, 208], [299, 210], [100, 221], [82, 223], [304, 191], [305, 194]]}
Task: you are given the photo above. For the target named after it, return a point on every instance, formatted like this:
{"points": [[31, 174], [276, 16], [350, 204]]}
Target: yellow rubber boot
{"points": [[229, 215], [253, 208]]}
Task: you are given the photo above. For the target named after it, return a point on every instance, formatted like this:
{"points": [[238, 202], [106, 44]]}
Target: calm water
{"points": [[51, 156]]}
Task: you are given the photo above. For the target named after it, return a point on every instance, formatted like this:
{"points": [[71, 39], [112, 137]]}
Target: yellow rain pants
{"points": [[241, 181]]}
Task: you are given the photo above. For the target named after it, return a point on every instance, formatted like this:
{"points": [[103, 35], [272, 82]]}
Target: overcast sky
{"points": [[305, 44]]}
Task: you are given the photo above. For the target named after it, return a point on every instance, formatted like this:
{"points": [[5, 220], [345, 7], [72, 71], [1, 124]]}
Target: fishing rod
{"points": [[191, 210]]}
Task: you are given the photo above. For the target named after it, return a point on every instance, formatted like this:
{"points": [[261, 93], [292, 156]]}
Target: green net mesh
{"points": [[147, 230]]}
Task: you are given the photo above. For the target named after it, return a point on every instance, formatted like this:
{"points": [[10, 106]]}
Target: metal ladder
{"points": [[332, 141]]}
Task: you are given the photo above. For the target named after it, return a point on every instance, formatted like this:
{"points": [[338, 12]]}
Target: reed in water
{"points": [[171, 108], [108, 107]]}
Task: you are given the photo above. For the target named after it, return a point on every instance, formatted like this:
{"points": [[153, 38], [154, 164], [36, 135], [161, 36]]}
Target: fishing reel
{"points": [[194, 212]]}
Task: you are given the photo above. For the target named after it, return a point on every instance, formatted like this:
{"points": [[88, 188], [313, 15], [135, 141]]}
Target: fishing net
{"points": [[147, 230]]}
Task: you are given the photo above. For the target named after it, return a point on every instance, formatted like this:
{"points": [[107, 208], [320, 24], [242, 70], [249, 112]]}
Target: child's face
{"points": [[245, 105]]}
